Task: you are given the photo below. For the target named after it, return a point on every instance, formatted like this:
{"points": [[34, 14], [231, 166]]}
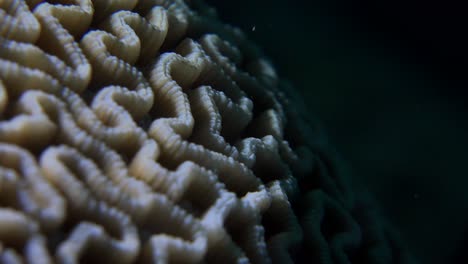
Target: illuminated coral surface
{"points": [[148, 131]]}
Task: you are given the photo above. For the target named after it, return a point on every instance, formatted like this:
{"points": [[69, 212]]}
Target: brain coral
{"points": [[148, 131]]}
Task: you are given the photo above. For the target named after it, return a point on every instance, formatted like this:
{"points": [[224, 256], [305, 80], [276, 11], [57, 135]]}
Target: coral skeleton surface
{"points": [[148, 131]]}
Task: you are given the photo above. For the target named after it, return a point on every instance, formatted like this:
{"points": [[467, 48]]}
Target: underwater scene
{"points": [[208, 131], [388, 81]]}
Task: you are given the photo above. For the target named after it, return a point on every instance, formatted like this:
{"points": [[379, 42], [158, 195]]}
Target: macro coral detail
{"points": [[148, 131]]}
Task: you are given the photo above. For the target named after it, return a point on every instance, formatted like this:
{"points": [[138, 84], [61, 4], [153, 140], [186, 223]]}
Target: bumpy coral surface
{"points": [[147, 131]]}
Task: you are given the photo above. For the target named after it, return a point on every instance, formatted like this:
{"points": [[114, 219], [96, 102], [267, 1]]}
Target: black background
{"points": [[388, 80]]}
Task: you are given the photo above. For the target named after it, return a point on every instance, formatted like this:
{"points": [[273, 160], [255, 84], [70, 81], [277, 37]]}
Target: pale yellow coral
{"points": [[147, 131]]}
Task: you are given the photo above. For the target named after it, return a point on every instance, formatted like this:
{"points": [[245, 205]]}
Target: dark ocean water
{"points": [[389, 82]]}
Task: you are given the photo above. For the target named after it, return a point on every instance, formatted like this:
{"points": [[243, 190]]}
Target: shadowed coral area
{"points": [[148, 131], [388, 81]]}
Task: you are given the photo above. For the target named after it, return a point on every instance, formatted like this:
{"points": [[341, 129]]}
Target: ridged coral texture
{"points": [[148, 131]]}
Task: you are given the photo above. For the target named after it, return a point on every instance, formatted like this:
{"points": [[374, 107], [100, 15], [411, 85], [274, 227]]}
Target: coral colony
{"points": [[148, 131]]}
